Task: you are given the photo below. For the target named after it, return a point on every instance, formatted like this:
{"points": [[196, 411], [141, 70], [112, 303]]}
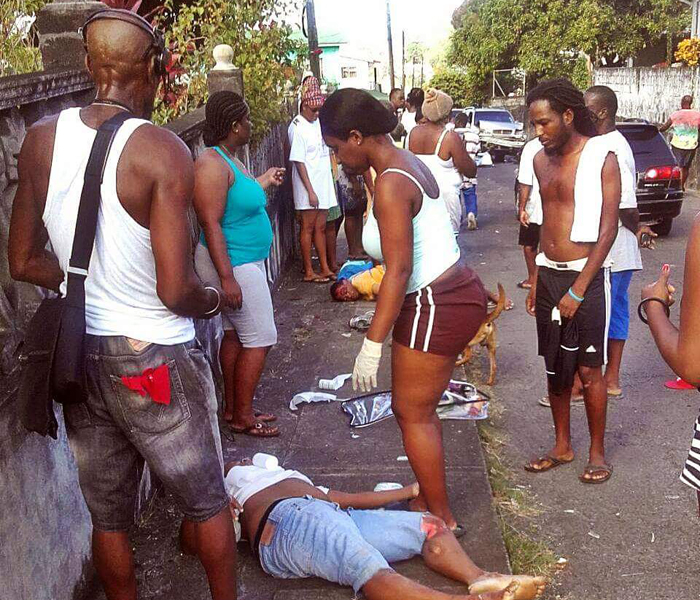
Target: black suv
{"points": [[659, 193]]}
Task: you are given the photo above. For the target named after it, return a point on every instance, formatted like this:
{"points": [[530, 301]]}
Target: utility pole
{"points": [[403, 59], [312, 35], [392, 75]]}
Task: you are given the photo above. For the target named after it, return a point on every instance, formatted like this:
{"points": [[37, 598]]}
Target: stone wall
{"points": [[44, 524]]}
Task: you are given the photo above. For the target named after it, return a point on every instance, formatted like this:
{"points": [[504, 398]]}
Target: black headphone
{"points": [[161, 60]]}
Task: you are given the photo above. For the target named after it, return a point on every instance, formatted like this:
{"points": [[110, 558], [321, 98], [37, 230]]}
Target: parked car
{"points": [[500, 133], [659, 193]]}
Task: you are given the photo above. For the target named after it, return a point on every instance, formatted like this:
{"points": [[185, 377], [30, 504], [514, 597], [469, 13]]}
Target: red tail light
{"points": [[667, 172]]}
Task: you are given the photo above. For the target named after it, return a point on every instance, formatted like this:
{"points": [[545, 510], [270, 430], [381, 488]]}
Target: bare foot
{"points": [[527, 586], [418, 504], [510, 593]]}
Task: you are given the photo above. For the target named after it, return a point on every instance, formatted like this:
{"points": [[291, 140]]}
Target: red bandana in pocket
{"points": [[154, 382]]}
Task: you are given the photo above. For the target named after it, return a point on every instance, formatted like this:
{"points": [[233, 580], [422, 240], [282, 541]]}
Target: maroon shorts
{"points": [[442, 318]]}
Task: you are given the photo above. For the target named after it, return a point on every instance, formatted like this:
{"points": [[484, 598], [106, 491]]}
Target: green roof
{"points": [[324, 38]]}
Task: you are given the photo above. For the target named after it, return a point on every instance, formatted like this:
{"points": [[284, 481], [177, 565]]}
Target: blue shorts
{"points": [[469, 198], [315, 538], [620, 309]]}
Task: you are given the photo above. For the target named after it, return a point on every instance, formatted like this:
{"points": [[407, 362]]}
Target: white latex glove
{"points": [[364, 375]]}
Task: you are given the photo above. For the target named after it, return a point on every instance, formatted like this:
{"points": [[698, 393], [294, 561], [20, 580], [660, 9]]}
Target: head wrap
{"points": [[437, 105], [311, 93]]}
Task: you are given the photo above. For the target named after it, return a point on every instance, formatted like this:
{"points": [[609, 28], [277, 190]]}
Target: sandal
{"points": [[264, 417], [318, 279], [361, 322], [524, 285], [553, 463], [591, 470], [257, 429]]}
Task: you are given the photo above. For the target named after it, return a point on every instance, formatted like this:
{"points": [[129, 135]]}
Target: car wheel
{"points": [[663, 228]]}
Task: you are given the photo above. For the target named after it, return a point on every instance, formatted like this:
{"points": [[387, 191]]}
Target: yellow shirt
{"points": [[368, 282]]}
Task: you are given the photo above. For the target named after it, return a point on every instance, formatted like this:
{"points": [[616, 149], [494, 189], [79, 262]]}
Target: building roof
{"points": [[325, 38]]}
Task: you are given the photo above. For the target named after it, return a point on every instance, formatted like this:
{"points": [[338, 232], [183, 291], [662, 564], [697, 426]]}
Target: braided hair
{"points": [[223, 109], [562, 95]]}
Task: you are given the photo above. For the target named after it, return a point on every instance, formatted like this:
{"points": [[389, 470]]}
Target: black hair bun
{"points": [[352, 109]]}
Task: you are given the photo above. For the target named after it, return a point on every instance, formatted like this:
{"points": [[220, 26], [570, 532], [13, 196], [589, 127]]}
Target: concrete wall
{"points": [[652, 94], [649, 93], [44, 524]]}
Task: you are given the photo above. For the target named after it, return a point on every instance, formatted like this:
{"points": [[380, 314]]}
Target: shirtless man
{"points": [[141, 295], [579, 183], [285, 517]]}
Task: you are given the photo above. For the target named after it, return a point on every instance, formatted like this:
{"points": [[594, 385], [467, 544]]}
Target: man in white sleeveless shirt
{"points": [[578, 179], [151, 393]]}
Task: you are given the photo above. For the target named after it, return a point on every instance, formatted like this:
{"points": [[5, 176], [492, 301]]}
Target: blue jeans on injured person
{"points": [[468, 196], [315, 538]]}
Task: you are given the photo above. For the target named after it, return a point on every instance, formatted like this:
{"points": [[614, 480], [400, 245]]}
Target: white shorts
{"points": [[254, 322]]}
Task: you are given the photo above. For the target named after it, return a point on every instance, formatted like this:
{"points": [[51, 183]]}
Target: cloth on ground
{"points": [[353, 267]]}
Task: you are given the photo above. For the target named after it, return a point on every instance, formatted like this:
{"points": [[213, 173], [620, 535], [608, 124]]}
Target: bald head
{"points": [[118, 52]]}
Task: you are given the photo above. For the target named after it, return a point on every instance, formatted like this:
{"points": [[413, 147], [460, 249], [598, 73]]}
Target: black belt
{"points": [[263, 522]]}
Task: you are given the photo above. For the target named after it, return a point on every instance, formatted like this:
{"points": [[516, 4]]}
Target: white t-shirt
{"points": [[408, 120], [244, 481], [308, 147], [625, 253], [526, 176]]}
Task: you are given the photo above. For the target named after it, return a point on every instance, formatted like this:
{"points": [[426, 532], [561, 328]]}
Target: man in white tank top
{"points": [[152, 397]]}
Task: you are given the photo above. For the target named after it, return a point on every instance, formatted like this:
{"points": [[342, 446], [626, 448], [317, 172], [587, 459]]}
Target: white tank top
{"points": [[435, 248], [446, 174], [120, 290]]}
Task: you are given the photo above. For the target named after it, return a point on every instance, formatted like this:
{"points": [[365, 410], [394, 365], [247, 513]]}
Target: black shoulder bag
{"points": [[53, 359]]}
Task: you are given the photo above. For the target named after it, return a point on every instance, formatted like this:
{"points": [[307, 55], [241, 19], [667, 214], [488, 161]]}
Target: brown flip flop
{"points": [[258, 429], [264, 417], [592, 469], [554, 462]]}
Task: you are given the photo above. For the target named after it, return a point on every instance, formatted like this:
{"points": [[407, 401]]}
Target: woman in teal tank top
{"points": [[235, 241]]}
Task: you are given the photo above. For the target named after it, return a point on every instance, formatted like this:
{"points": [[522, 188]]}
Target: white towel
{"points": [[588, 190]]}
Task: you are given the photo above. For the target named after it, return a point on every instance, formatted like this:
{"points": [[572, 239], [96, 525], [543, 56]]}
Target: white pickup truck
{"points": [[500, 133]]}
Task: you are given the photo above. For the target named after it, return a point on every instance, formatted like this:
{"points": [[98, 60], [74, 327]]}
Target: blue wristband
{"points": [[574, 296]]}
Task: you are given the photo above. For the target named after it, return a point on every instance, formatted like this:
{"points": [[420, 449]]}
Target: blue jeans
{"points": [[117, 429], [315, 538], [469, 199]]}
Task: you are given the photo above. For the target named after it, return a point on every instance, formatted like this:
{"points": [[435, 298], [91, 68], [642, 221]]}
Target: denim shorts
{"points": [[315, 538], [117, 429]]}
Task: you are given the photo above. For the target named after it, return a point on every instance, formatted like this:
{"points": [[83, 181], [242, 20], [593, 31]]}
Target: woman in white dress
{"points": [[443, 152]]}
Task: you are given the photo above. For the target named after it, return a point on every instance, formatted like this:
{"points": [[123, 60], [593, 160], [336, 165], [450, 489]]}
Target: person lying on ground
{"points": [[361, 286], [366, 286], [285, 516]]}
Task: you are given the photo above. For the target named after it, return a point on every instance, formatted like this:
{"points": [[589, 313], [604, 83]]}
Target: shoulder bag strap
{"points": [[86, 224]]}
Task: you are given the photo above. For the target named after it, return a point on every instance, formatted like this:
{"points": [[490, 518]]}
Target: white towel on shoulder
{"points": [[588, 190]]}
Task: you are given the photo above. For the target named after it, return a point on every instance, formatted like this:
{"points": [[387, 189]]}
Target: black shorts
{"points": [[529, 236], [684, 158], [592, 317]]}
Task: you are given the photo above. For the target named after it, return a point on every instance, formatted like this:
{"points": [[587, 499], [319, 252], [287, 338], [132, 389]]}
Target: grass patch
{"points": [[516, 508]]}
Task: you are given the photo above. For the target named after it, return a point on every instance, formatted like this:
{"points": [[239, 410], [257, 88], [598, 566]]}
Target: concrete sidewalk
{"points": [[316, 342]]}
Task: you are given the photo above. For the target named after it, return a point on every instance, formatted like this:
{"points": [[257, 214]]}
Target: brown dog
{"points": [[486, 336]]}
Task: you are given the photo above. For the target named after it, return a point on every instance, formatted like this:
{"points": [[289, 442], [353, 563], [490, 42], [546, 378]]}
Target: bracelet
{"points": [[574, 296], [214, 310], [642, 314]]}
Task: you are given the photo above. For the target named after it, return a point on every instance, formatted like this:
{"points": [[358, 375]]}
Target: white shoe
{"points": [[471, 221]]}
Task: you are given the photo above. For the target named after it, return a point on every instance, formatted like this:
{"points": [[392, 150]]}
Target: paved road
{"points": [[634, 537]]}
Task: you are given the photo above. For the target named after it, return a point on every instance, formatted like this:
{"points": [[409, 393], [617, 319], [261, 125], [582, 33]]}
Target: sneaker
{"points": [[471, 221], [678, 384]]}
